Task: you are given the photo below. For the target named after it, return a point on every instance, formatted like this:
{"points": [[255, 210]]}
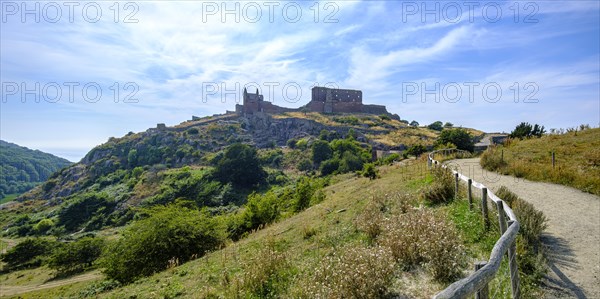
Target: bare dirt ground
{"points": [[6, 290], [572, 239]]}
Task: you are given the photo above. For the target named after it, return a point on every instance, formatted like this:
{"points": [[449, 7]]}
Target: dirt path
{"points": [[6, 290], [573, 234]]}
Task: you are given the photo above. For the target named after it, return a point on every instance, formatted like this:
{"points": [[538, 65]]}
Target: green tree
{"points": [[76, 256], [321, 151], [240, 166], [448, 125], [28, 253], [370, 171], [169, 233], [459, 137], [437, 126], [416, 150], [330, 166], [414, 123], [526, 130]]}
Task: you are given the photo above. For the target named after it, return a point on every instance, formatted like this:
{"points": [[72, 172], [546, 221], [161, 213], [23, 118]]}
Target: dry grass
{"points": [[425, 237], [353, 272], [577, 159]]}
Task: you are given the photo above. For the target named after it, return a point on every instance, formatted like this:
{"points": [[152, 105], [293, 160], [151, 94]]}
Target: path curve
{"points": [[573, 234], [6, 290]]}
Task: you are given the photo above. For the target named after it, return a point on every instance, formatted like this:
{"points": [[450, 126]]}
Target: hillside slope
{"points": [[22, 169], [577, 159]]}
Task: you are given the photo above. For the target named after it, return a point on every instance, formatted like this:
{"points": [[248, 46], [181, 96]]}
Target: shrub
{"points": [[305, 165], [369, 171], [240, 166], [390, 159], [459, 137], [28, 253], [192, 131], [352, 272], [416, 150], [426, 238], [43, 226], [167, 233], [330, 166], [321, 151], [525, 130], [83, 208], [437, 126], [267, 273], [370, 220], [261, 209], [76, 256], [291, 143], [491, 160], [441, 189], [533, 222]]}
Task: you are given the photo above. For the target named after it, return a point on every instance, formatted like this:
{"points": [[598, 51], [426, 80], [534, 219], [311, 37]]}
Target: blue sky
{"points": [[487, 66]]}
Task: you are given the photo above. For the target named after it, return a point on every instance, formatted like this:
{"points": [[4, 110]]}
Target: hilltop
{"points": [[21, 168]]}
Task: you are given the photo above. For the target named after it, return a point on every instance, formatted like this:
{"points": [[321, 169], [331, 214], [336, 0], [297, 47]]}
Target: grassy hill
{"points": [[216, 182], [577, 159], [21, 168], [339, 248]]}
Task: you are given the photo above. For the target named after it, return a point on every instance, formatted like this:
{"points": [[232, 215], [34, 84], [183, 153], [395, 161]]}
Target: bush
{"points": [[492, 160], [266, 274], [76, 256], [83, 208], [352, 272], [305, 165], [43, 226], [441, 189], [437, 126], [321, 151], [240, 166], [459, 137], [369, 171], [168, 233], [261, 209], [350, 162], [533, 222], [424, 237], [416, 150], [330, 166], [525, 130], [389, 160], [28, 253]]}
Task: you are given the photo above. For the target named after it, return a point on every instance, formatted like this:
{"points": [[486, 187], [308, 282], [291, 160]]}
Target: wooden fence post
{"points": [[484, 293], [501, 217], [502, 157], [469, 194], [484, 208], [456, 185], [514, 268], [553, 160]]}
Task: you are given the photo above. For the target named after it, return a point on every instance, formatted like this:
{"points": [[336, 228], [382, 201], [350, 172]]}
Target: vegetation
{"points": [[168, 235], [525, 130], [28, 253], [72, 257], [458, 137], [21, 169], [436, 126], [240, 166], [577, 159]]}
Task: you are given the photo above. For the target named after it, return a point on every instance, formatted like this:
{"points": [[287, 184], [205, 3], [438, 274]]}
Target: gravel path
{"points": [[573, 234], [6, 290]]}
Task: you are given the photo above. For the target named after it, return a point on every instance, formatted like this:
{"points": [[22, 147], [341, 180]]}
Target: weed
{"points": [[353, 272]]}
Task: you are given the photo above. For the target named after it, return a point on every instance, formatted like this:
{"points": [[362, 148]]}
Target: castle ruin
{"points": [[323, 100]]}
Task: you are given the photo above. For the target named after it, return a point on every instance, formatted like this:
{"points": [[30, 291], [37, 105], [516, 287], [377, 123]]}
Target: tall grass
{"points": [[577, 159]]}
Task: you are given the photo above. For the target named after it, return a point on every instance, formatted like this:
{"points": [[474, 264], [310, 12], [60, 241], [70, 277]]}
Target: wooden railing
{"points": [[477, 283]]}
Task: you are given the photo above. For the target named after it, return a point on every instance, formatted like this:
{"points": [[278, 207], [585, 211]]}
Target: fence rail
{"points": [[477, 283]]}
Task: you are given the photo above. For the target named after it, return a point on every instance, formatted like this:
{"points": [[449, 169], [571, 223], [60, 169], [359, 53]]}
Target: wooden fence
{"points": [[477, 283]]}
